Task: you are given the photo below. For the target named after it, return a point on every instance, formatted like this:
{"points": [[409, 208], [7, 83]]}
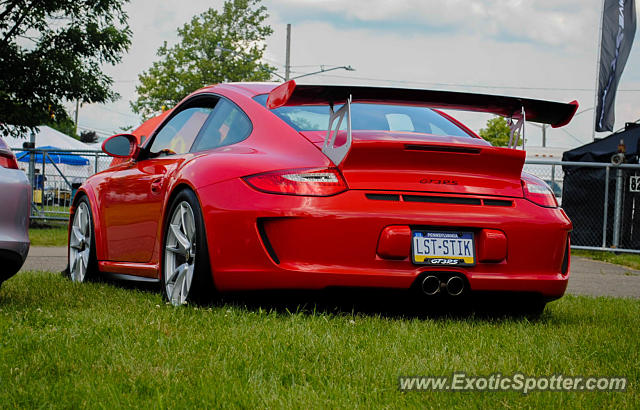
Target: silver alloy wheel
{"points": [[80, 243], [180, 254]]}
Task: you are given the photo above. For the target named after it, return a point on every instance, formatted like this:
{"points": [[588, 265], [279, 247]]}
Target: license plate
{"points": [[443, 248]]}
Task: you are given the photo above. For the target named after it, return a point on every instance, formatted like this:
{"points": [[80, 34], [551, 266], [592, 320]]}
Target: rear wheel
{"points": [[534, 309], [82, 254], [186, 276], [527, 305]]}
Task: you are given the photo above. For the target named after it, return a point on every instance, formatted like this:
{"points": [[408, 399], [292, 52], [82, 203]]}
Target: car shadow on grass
{"points": [[387, 303], [394, 304]]}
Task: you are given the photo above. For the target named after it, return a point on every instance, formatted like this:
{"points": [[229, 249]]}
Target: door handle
{"points": [[156, 185]]}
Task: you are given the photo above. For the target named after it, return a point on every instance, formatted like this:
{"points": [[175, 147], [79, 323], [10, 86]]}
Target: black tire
{"points": [[177, 287], [535, 309], [530, 306], [82, 268], [10, 263]]}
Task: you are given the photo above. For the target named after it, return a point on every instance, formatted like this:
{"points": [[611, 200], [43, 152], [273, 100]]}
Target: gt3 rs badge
{"points": [[440, 261], [438, 181]]}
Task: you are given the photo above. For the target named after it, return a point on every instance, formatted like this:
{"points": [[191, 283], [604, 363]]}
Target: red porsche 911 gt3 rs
{"points": [[259, 186]]}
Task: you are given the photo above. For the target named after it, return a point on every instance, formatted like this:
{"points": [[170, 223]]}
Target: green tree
{"points": [[497, 132], [64, 125], [192, 63], [51, 52]]}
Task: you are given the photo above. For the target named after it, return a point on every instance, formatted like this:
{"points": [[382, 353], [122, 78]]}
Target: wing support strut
{"points": [[338, 153], [516, 129]]}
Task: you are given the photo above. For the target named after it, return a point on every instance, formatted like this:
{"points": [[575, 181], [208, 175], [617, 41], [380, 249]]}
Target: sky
{"points": [[544, 49]]}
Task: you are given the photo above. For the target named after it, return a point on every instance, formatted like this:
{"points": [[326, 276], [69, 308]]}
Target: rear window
{"points": [[375, 117]]}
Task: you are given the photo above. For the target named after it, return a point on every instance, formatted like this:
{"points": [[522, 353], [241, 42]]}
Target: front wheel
{"points": [[186, 275]]}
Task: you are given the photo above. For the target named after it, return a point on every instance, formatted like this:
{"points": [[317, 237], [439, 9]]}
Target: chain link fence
{"points": [[601, 199], [55, 174]]}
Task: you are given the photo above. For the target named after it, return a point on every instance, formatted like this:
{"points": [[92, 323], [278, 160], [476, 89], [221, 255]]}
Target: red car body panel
{"points": [[397, 182], [322, 242]]}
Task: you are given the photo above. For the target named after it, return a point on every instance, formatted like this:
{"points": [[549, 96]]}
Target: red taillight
{"points": [[302, 181], [8, 160], [539, 193]]}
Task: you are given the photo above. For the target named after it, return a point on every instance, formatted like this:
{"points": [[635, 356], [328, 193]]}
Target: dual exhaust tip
{"points": [[432, 285]]}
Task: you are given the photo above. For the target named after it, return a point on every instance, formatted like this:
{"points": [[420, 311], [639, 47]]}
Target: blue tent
{"points": [[53, 157]]}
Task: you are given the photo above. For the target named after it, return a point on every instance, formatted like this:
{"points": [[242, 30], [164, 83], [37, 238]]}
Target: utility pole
{"points": [[287, 67], [32, 159], [77, 107]]}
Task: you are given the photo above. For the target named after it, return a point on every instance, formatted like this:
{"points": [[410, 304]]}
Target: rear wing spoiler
{"points": [[519, 109]]}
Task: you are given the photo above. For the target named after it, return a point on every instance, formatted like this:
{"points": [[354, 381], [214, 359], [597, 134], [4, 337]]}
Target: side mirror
{"points": [[121, 146]]}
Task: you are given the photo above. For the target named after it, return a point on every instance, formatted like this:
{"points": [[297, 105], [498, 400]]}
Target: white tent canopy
{"points": [[47, 136]]}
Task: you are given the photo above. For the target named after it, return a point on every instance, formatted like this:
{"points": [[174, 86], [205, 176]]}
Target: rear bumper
{"points": [[12, 257], [277, 241], [15, 202]]}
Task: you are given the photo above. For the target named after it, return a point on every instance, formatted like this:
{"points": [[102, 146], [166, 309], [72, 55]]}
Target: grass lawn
{"points": [[49, 235], [104, 345], [631, 260]]}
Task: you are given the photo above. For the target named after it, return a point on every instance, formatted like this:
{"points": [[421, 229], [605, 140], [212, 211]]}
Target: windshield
{"points": [[378, 117]]}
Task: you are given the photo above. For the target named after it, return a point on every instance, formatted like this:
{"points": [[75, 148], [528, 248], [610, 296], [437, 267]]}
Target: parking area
{"points": [[588, 277]]}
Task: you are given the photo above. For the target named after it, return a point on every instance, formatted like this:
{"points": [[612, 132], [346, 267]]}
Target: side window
{"points": [[177, 136], [227, 125]]}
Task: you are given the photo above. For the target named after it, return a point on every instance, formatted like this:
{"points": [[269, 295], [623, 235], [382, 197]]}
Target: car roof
{"points": [[250, 89]]}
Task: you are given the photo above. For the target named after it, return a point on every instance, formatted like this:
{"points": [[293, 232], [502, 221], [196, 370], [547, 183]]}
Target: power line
{"points": [[102, 107], [571, 135], [274, 62], [309, 65], [98, 131], [383, 80], [506, 87]]}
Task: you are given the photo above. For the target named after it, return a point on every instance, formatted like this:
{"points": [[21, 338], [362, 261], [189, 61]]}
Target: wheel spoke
{"points": [[85, 257], [177, 251], [182, 240], [73, 260], [184, 289], [186, 284], [78, 218], [75, 241], [188, 278], [81, 269], [189, 225], [81, 220], [175, 274], [177, 293]]}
